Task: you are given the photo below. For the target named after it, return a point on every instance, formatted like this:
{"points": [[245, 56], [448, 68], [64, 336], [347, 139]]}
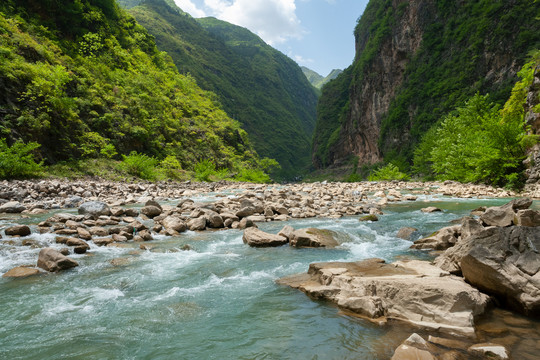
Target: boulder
{"points": [[198, 224], [214, 220], [20, 272], [145, 235], [151, 211], [98, 231], [414, 348], [439, 240], [470, 226], [12, 207], [518, 204], [77, 243], [102, 241], [246, 223], [431, 209], [258, 238], [312, 237], [498, 216], [246, 211], [94, 208], [415, 292], [18, 230], [501, 261], [84, 234], [406, 233], [527, 217], [371, 217], [52, 260], [287, 232], [174, 223]]}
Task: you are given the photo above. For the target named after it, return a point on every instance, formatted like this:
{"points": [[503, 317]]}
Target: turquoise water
{"points": [[216, 301]]}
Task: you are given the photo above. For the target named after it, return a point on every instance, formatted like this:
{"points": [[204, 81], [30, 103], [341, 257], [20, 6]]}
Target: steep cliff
{"points": [[532, 118], [415, 62], [259, 86]]}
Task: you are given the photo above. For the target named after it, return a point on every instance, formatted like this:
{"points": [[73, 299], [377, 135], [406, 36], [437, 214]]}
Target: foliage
{"points": [[141, 165], [388, 172], [480, 142], [171, 167], [85, 80], [252, 175], [18, 160], [257, 85], [204, 169]]}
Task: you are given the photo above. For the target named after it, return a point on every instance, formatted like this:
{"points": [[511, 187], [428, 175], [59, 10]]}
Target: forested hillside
{"points": [[84, 79], [416, 61], [318, 80], [259, 86]]}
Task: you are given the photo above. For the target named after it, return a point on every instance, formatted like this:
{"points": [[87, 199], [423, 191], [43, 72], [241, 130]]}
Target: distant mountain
{"points": [[259, 86], [317, 80]]}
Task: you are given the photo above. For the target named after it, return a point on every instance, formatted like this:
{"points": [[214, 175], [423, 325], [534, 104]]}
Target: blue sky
{"points": [[315, 33]]}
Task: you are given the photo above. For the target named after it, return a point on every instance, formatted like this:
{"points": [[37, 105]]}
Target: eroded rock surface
{"points": [[52, 260], [414, 291], [258, 238]]}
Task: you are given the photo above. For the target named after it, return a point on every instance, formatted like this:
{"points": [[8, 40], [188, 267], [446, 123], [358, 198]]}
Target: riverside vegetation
{"points": [[82, 81]]}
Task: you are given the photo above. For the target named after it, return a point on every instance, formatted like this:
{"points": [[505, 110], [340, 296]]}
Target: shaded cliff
{"points": [[259, 86], [415, 62]]}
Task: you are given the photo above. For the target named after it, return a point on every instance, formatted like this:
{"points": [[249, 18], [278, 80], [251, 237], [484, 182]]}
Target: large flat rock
{"points": [[415, 291]]}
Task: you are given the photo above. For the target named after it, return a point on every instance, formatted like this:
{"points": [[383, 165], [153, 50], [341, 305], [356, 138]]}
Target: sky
{"points": [[317, 34]]}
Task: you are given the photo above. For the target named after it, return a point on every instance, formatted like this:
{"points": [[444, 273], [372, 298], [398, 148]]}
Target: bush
{"points": [[141, 165], [204, 169], [171, 167], [388, 172], [253, 176], [18, 160]]}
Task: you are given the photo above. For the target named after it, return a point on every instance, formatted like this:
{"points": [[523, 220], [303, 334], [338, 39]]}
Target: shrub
{"points": [[171, 167], [204, 169], [252, 175], [388, 172], [141, 165], [18, 160]]}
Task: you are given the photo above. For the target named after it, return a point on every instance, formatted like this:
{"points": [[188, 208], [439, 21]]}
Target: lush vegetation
{"points": [[85, 81], [388, 172], [18, 160], [467, 47], [480, 142], [257, 85]]}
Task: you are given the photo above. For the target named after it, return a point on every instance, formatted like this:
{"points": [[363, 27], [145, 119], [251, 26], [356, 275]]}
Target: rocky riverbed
{"points": [[81, 217]]}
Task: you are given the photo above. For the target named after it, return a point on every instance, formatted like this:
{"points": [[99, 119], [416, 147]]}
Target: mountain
{"points": [[318, 80], [257, 85], [84, 79], [415, 62]]}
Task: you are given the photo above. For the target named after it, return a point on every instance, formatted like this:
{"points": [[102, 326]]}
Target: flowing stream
{"points": [[218, 300]]}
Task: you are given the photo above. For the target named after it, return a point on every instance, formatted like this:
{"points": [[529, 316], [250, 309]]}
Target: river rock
{"points": [[52, 260], [406, 233], [94, 208], [414, 348], [470, 226], [312, 237], [286, 232], [98, 231], [102, 241], [258, 238], [174, 223], [18, 230], [198, 224], [527, 217], [246, 223], [20, 272], [371, 217], [431, 209], [84, 234], [214, 220], [490, 351], [246, 211], [498, 216], [12, 207], [77, 242], [439, 240], [414, 291], [151, 211]]}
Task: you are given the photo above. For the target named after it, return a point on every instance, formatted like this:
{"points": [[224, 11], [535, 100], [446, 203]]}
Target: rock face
{"points": [[52, 260], [94, 208], [414, 291], [501, 260], [380, 104], [258, 238], [312, 237]]}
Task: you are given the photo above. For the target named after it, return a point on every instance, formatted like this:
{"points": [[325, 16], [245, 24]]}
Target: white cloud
{"points": [[301, 60], [190, 8], [273, 20]]}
